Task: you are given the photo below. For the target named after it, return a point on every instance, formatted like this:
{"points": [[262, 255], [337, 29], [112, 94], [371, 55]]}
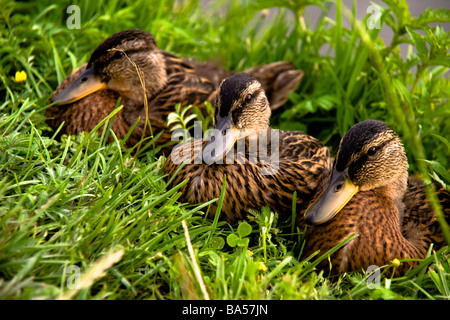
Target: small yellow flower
{"points": [[262, 267], [395, 263], [21, 76]]}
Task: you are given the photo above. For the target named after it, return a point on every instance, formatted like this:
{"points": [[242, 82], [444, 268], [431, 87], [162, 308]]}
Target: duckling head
{"points": [[114, 65], [242, 98], [370, 157], [242, 109]]}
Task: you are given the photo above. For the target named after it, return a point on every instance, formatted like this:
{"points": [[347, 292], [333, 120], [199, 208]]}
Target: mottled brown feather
{"points": [[419, 221]]}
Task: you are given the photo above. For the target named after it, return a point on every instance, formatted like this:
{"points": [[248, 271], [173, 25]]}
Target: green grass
{"points": [[85, 203]]}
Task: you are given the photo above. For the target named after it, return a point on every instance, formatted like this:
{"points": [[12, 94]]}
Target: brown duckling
{"points": [[368, 195], [91, 92], [263, 166]]}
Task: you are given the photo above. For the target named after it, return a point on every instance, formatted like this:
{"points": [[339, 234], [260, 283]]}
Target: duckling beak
{"points": [[224, 136], [338, 193], [84, 85]]}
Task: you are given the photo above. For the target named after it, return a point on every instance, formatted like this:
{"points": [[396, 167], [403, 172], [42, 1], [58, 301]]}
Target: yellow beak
{"points": [[84, 85], [224, 136], [338, 193]]}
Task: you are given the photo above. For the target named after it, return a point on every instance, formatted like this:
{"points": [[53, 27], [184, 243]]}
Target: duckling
{"points": [[91, 92], [86, 96], [368, 195], [263, 166]]}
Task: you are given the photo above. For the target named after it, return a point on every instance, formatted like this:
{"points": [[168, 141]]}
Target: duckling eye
{"points": [[372, 151], [248, 98], [118, 55]]}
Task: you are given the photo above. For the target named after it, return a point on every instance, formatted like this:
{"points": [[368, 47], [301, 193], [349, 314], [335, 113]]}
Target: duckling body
{"points": [[168, 80], [368, 195], [292, 161]]}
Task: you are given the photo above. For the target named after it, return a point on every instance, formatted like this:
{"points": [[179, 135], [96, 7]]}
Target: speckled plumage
{"points": [[178, 81], [303, 161], [390, 222], [418, 220]]}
